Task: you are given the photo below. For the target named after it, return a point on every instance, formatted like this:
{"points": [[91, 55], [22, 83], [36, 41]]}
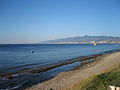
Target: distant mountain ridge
{"points": [[85, 39]]}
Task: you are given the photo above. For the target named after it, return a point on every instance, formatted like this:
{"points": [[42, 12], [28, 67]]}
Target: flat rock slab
{"points": [[67, 79]]}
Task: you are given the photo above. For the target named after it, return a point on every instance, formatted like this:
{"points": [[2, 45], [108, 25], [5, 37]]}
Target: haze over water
{"points": [[24, 22]]}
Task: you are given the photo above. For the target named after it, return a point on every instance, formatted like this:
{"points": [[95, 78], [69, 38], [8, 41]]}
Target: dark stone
{"points": [[8, 77]]}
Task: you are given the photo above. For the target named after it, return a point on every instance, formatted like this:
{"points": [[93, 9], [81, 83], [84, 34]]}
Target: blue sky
{"points": [[33, 21]]}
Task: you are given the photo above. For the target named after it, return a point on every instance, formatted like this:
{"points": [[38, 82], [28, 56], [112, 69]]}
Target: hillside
{"points": [[86, 39]]}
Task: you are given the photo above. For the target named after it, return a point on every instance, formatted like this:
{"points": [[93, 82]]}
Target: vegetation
{"points": [[101, 81]]}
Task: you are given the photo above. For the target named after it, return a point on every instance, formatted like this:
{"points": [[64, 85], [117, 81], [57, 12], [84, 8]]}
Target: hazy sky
{"points": [[33, 21]]}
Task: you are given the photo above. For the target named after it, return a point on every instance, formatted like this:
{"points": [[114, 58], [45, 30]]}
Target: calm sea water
{"points": [[18, 56]]}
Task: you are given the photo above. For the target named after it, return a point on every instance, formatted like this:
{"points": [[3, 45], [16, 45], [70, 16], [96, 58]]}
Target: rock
{"points": [[8, 77]]}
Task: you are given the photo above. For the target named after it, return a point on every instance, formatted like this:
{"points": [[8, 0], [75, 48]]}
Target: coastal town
{"points": [[87, 42]]}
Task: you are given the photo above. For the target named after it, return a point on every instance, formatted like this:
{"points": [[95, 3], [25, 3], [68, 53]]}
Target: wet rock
{"points": [[8, 77], [44, 68]]}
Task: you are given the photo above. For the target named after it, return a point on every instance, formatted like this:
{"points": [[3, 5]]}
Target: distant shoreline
{"points": [[80, 43], [57, 43]]}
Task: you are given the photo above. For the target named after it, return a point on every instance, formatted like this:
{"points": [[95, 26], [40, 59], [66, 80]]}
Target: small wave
{"points": [[16, 87], [49, 49]]}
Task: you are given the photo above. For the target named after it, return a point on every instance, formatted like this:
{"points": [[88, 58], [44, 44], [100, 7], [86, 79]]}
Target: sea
{"points": [[15, 57]]}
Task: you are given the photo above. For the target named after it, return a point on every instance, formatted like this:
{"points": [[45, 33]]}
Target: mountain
{"points": [[85, 39]]}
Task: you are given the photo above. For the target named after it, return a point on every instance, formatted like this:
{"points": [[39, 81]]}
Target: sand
{"points": [[65, 80]]}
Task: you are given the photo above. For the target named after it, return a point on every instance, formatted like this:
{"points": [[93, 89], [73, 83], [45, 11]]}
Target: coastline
{"points": [[55, 65], [84, 61], [65, 80]]}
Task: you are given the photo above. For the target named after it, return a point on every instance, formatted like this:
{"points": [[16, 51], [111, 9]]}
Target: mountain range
{"points": [[85, 39]]}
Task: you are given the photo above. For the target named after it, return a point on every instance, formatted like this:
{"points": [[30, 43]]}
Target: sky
{"points": [[33, 21]]}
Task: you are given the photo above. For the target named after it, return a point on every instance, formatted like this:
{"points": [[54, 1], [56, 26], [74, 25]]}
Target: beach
{"points": [[66, 80], [48, 62], [55, 44]]}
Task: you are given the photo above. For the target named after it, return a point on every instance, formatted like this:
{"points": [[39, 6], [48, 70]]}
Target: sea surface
{"points": [[19, 56]]}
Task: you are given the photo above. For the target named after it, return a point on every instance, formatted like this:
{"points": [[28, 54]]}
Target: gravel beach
{"points": [[65, 80]]}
